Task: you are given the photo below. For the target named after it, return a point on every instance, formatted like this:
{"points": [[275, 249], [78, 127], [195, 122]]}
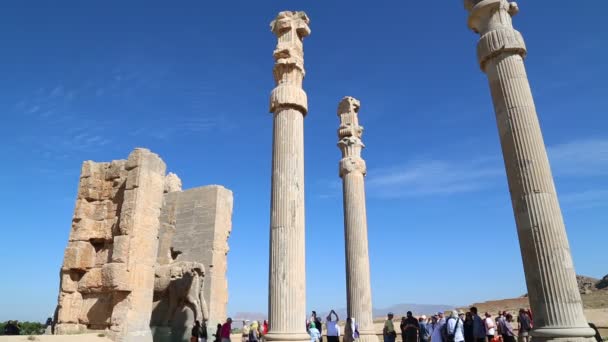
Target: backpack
{"points": [[524, 320], [445, 331]]}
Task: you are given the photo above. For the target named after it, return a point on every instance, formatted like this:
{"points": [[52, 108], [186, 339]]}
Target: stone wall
{"points": [[114, 268], [107, 276], [195, 226]]}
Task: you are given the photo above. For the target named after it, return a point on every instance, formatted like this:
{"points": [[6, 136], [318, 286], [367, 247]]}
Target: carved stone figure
{"points": [[180, 284]]}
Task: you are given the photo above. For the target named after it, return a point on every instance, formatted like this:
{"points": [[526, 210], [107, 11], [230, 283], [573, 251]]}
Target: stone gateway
{"points": [[129, 268]]}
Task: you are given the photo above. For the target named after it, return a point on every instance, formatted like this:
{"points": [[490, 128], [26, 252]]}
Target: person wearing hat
{"points": [[454, 329], [389, 329], [423, 330]]}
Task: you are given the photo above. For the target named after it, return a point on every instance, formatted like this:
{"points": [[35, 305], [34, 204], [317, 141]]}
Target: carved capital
{"points": [[348, 110], [352, 164], [498, 41], [288, 95], [290, 29]]}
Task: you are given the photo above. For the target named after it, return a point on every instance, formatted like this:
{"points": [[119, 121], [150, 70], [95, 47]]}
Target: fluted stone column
{"points": [[550, 276], [352, 172], [287, 278]]}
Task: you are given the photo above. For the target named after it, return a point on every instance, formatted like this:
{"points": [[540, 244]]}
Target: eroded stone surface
{"points": [[115, 271]]}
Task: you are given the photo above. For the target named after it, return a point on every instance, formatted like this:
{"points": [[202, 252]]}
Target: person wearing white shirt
{"points": [[490, 327], [455, 327], [333, 330]]}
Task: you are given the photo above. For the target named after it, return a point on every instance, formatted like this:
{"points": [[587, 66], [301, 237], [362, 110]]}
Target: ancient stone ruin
{"points": [[144, 258]]}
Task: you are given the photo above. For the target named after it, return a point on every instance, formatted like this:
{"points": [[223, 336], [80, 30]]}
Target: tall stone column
{"points": [[352, 172], [287, 277], [550, 276]]}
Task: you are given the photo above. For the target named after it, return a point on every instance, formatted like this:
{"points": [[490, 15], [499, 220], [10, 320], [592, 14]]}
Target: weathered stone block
{"points": [[69, 307], [79, 255], [87, 229], [96, 310], [69, 281], [120, 252], [115, 277], [91, 281]]}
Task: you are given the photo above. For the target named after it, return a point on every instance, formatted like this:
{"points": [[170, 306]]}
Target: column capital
{"points": [[348, 110], [290, 28], [350, 133], [492, 19]]}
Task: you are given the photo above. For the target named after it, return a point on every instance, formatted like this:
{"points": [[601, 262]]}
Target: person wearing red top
{"points": [[226, 329], [265, 327]]}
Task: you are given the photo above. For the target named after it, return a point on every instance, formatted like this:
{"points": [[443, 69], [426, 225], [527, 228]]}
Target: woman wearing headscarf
{"points": [[315, 335], [254, 332]]}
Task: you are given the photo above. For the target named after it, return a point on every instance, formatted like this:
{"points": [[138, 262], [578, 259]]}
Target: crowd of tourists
{"points": [[251, 332], [459, 326], [452, 326]]}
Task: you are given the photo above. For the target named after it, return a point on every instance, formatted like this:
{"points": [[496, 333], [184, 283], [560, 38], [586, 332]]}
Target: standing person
{"points": [[254, 332], [196, 332], [226, 330], [479, 327], [316, 320], [507, 329], [490, 327], [500, 324], [524, 325], [204, 336], [423, 330], [245, 332], [315, 334], [351, 330], [437, 335], [469, 335], [218, 333], [431, 326], [454, 328], [265, 328], [333, 329], [409, 328], [389, 329]]}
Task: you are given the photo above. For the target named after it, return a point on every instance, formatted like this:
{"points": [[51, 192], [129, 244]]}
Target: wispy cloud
{"points": [[434, 177], [587, 157], [585, 199]]}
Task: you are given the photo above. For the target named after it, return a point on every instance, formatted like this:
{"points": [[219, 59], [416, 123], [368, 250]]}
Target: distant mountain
{"points": [[397, 309]]}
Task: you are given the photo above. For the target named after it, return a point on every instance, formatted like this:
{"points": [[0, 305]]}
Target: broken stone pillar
{"points": [[287, 278], [107, 276], [550, 276], [352, 172]]}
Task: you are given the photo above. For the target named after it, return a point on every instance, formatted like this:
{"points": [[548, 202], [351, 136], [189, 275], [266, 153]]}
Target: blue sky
{"points": [[191, 81]]}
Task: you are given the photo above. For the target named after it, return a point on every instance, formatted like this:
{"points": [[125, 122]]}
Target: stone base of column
{"points": [[368, 336], [286, 337], [563, 334]]}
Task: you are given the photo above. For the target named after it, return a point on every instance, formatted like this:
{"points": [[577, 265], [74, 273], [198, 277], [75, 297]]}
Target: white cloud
{"points": [[587, 157], [423, 177], [434, 177], [585, 199]]}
